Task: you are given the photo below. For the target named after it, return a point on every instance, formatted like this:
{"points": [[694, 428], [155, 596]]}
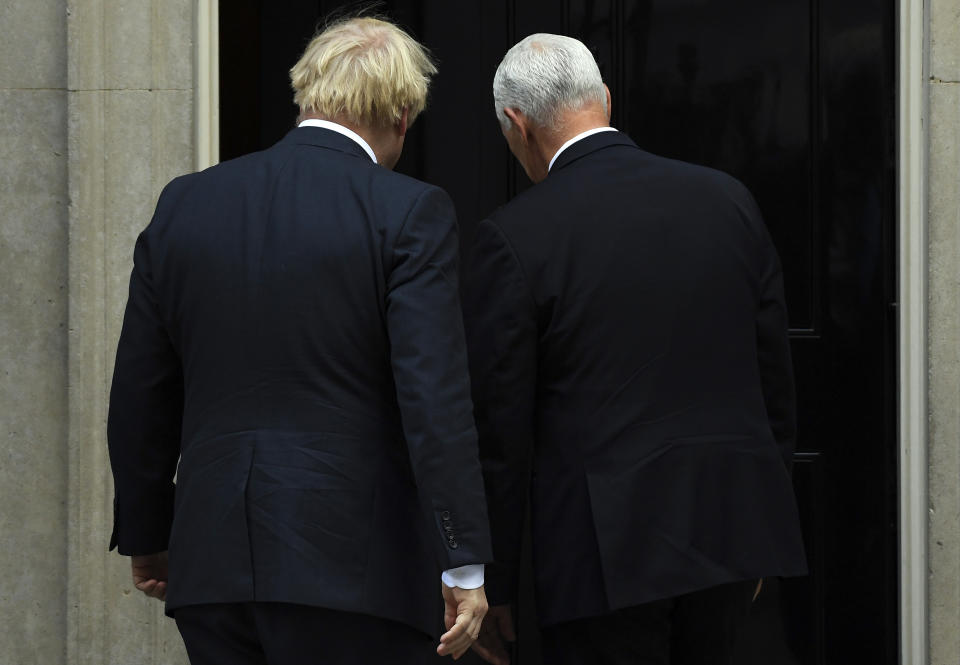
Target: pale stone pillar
{"points": [[944, 331], [130, 107], [33, 332]]}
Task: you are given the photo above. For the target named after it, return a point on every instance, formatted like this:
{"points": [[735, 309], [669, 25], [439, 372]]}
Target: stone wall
{"points": [[944, 331], [33, 330], [97, 104], [130, 120]]}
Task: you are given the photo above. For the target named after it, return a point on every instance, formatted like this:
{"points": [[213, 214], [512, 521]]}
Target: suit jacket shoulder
{"points": [[590, 181]]}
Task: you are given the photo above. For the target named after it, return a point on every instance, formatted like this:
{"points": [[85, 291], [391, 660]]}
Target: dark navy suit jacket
{"points": [[632, 373], [293, 337]]}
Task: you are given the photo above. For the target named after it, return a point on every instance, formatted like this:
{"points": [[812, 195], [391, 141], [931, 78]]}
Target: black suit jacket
{"points": [[294, 336], [631, 369]]}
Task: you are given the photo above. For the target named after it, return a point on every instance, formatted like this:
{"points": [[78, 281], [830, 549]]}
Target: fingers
{"points": [[153, 589], [458, 639], [463, 617], [150, 574], [461, 636]]}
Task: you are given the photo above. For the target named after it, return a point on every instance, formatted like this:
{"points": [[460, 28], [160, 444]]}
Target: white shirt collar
{"points": [[340, 129], [578, 137]]}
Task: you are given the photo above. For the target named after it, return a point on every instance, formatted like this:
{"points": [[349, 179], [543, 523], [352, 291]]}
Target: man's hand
{"points": [[150, 574], [496, 631], [463, 614]]}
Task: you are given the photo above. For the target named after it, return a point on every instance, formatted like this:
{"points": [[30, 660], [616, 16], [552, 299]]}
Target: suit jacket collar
{"points": [[325, 138], [592, 143]]}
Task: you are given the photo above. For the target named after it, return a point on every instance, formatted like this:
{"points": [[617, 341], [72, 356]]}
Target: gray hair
{"points": [[545, 74]]}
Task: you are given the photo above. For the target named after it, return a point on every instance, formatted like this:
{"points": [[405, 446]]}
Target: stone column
{"points": [[33, 330], [130, 130], [944, 331]]}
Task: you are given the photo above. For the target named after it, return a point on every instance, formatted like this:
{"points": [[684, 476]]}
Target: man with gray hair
{"points": [[631, 377]]}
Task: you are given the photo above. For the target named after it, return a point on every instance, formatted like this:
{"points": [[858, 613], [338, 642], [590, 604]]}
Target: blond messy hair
{"points": [[365, 70]]}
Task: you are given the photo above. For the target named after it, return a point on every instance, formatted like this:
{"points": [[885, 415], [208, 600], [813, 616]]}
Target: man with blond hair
{"points": [[632, 376], [293, 337]]}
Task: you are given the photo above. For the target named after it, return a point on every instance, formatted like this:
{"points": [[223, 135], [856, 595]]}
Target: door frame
{"points": [[912, 152], [206, 101]]}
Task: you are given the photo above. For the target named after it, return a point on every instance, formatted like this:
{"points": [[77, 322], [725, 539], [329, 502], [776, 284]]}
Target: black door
{"points": [[793, 97]]}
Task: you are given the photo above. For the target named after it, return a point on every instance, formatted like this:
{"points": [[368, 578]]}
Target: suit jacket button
{"points": [[454, 545], [445, 515]]}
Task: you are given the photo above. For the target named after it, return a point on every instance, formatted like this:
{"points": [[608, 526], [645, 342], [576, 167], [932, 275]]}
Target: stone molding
{"points": [[130, 129], [33, 331], [942, 88], [208, 84], [912, 197]]}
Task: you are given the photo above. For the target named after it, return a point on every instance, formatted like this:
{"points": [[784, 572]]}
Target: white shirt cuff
{"points": [[465, 577]]}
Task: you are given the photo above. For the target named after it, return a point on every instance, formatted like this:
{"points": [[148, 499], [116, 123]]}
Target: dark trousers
{"points": [[699, 628], [284, 634]]}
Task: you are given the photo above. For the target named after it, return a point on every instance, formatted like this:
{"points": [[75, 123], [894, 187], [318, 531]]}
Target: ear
{"points": [[609, 102], [401, 124], [518, 120]]}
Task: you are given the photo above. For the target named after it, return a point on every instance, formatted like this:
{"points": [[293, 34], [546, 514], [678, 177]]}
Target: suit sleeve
{"points": [[428, 355], [502, 339], [144, 421], [773, 354]]}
